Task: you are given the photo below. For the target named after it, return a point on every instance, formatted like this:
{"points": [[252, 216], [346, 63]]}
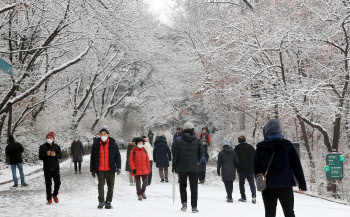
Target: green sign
{"points": [[327, 169], [5, 66], [342, 158], [333, 161]]}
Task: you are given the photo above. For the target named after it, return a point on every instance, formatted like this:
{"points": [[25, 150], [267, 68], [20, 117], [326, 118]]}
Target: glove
{"points": [[93, 174], [118, 172], [134, 171]]}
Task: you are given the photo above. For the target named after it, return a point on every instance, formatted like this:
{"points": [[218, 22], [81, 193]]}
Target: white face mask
{"points": [[49, 141], [140, 146], [104, 138]]}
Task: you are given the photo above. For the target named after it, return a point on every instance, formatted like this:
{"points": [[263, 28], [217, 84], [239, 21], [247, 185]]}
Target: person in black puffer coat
{"points": [[280, 177], [77, 153], [188, 152], [162, 156], [227, 164]]}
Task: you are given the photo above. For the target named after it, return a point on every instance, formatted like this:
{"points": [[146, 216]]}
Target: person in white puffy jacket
{"points": [[149, 150]]}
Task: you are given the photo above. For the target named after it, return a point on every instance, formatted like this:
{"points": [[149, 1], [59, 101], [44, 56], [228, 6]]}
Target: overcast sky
{"points": [[162, 8]]}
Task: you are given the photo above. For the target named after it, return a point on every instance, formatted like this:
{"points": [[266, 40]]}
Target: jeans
{"points": [[49, 175], [229, 188], [193, 177], [284, 195], [14, 173], [250, 177], [150, 174], [104, 176], [140, 190]]}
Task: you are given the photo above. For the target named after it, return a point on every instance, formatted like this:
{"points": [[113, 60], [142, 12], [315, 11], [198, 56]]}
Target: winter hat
{"points": [[188, 126], [76, 138], [104, 128], [52, 134], [144, 138], [225, 143]]}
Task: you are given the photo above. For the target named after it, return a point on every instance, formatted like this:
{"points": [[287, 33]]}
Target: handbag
{"points": [[261, 178]]}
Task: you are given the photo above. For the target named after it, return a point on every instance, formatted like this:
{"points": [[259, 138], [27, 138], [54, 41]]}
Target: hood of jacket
{"points": [[188, 136], [273, 137], [227, 149]]}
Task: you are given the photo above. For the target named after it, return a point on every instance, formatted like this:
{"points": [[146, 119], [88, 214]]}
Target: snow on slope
{"points": [[78, 197]]}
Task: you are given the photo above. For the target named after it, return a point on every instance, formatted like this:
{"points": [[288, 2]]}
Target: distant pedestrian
{"points": [[13, 152], [227, 164], [285, 165], [162, 156], [77, 153], [140, 167], [131, 145], [245, 153], [205, 138], [105, 162], [50, 152], [203, 168], [188, 152], [150, 137], [149, 150], [176, 136]]}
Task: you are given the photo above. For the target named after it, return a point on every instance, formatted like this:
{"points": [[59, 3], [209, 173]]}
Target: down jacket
{"points": [[139, 160]]}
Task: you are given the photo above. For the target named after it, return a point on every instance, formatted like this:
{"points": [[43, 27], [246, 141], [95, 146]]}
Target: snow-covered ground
{"points": [[78, 197]]}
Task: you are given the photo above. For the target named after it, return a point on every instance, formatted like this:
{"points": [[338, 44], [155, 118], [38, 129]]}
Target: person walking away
{"points": [[162, 156], [105, 161], [245, 153], [188, 152], [130, 146], [149, 150], [227, 164], [285, 164], [140, 167], [203, 168], [77, 153], [176, 136], [204, 136], [13, 152], [50, 153], [150, 137]]}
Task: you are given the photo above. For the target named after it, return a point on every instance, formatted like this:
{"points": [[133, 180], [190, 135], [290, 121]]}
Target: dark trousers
{"points": [[140, 190], [284, 195], [250, 177], [55, 175], [150, 175], [193, 177], [201, 176], [76, 166], [229, 188], [103, 177]]}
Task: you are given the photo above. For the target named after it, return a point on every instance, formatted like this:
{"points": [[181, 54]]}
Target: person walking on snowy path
{"points": [[13, 152], [130, 146], [105, 162], [245, 153], [162, 156], [188, 152], [150, 137], [227, 164], [205, 137], [140, 167], [77, 153], [149, 150], [50, 153], [285, 165]]}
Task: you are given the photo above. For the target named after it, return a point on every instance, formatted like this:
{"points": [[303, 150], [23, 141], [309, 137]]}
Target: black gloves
{"points": [[134, 171], [118, 172], [93, 174]]}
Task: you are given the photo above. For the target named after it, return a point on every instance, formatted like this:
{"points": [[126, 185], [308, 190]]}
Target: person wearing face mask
{"points": [[105, 162], [50, 153], [140, 167]]}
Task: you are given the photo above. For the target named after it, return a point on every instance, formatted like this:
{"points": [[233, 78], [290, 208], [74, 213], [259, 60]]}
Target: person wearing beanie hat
{"points": [[187, 153], [50, 153], [77, 153], [245, 153], [13, 152], [226, 167], [105, 161]]}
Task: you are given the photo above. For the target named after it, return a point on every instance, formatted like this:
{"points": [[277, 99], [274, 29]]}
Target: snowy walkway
{"points": [[78, 197]]}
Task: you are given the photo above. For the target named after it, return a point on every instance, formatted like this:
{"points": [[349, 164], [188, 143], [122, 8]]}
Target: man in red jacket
{"points": [[140, 167]]}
